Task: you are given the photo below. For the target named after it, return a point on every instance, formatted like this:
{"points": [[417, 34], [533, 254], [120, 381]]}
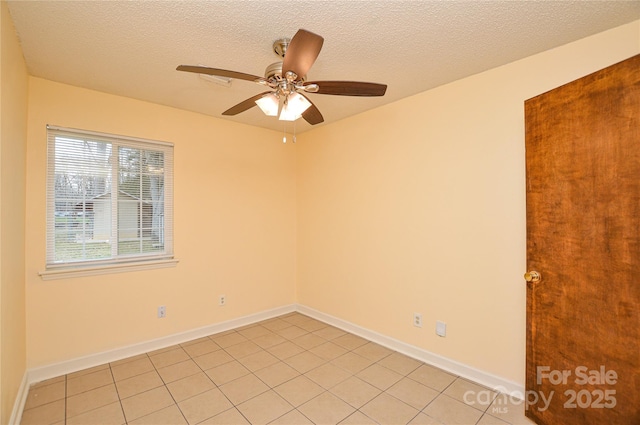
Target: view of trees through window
{"points": [[108, 200]]}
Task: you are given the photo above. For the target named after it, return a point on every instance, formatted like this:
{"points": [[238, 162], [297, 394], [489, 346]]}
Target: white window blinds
{"points": [[109, 199]]}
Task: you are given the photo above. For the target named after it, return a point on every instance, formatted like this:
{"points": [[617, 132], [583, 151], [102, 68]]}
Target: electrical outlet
{"points": [[162, 312], [222, 300], [417, 320], [441, 328]]}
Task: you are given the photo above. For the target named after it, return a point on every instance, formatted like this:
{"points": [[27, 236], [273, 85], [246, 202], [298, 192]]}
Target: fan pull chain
{"points": [[284, 133]]}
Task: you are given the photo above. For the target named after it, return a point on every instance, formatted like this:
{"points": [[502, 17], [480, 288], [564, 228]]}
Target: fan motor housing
{"points": [[275, 71]]}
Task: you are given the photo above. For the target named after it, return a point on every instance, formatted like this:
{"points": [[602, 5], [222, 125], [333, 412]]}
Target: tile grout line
{"points": [[66, 379], [167, 388], [218, 386], [234, 406], [270, 388], [404, 376], [325, 362], [118, 394], [67, 396], [377, 362]]}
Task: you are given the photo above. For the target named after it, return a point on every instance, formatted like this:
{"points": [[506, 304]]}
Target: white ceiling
{"points": [[131, 48]]}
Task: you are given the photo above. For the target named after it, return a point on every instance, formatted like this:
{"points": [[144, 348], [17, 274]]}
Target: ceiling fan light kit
{"points": [[269, 103], [293, 107], [287, 79]]}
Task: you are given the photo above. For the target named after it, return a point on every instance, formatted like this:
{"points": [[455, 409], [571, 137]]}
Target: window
{"points": [[109, 200]]}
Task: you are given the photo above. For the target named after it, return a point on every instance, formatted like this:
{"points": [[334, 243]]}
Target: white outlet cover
{"points": [[441, 328]]}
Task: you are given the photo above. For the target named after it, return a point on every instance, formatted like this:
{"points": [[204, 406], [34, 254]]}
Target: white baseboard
{"points": [[21, 400], [69, 366], [483, 378]]}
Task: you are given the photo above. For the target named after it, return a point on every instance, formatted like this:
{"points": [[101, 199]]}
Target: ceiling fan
{"points": [[287, 81]]}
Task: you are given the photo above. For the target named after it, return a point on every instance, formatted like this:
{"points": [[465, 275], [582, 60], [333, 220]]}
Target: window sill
{"points": [[106, 269]]}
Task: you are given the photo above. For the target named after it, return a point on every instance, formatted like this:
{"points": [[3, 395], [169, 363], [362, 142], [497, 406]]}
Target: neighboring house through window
{"points": [[109, 199]]}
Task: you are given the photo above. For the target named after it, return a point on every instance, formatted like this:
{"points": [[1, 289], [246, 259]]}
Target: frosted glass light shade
{"points": [[269, 104], [294, 107]]}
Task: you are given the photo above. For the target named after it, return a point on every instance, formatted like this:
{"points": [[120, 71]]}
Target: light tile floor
{"points": [[288, 370]]}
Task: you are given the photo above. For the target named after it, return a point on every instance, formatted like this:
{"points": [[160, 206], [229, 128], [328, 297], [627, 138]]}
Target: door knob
{"points": [[532, 276]]}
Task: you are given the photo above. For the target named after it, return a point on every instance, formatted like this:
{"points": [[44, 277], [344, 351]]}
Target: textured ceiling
{"points": [[131, 48]]}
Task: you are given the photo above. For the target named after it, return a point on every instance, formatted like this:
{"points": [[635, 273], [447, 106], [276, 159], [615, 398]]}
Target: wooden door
{"points": [[583, 237]]}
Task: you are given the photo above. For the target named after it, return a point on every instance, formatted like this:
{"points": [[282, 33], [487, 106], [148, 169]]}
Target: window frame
{"points": [[118, 262]]}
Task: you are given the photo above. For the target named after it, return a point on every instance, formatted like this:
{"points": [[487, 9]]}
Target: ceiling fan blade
{"points": [[244, 105], [302, 52], [349, 88], [219, 72], [312, 115]]}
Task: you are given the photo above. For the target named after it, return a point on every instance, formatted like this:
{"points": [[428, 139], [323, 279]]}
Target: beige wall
{"points": [[13, 131], [235, 229], [419, 206]]}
